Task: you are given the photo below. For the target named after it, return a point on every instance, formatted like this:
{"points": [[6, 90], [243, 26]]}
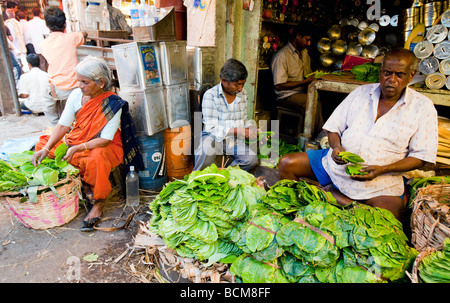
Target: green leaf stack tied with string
{"points": [[310, 239], [196, 215]]}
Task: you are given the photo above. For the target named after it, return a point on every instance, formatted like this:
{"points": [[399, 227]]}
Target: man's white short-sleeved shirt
{"points": [[407, 129], [34, 84]]}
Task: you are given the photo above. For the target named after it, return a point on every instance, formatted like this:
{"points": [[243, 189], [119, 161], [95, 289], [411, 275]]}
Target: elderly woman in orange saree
{"points": [[98, 129]]}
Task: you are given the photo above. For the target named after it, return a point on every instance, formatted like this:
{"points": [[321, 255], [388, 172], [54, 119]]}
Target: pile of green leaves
{"points": [[196, 215], [18, 173], [323, 242], [367, 72], [287, 196], [272, 149], [435, 267]]}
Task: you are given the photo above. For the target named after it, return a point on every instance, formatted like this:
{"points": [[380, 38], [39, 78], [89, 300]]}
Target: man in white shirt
{"points": [[225, 119], [290, 67], [38, 30], [25, 33], [16, 33], [33, 86], [392, 127]]}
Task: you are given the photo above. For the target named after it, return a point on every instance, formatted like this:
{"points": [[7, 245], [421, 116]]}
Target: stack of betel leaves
{"points": [[435, 267], [319, 242], [196, 215], [270, 150], [354, 166], [19, 174]]}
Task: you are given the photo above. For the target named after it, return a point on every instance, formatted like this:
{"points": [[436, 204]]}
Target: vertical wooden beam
{"points": [[9, 102]]}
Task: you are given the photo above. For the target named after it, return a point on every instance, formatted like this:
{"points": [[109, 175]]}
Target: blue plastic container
{"points": [[154, 176]]}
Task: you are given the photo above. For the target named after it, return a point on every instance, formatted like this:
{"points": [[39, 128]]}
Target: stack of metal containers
{"points": [[424, 12], [153, 80], [201, 76], [434, 53]]}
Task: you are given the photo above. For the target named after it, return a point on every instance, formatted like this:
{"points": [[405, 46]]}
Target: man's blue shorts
{"points": [[315, 160]]}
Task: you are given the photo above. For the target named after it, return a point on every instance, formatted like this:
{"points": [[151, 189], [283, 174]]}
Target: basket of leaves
{"points": [[430, 219], [39, 197]]}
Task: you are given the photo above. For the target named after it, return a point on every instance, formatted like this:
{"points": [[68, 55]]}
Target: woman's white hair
{"points": [[95, 69]]}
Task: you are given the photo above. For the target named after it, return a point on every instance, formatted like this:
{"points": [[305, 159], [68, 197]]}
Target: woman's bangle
{"points": [[46, 149], [85, 147]]}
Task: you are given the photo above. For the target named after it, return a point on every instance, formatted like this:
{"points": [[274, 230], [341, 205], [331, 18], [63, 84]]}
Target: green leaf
{"points": [[60, 152]]}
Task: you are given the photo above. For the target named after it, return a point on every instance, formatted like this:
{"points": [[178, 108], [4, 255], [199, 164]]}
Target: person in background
{"points": [[17, 69], [25, 32], [17, 36], [103, 135], [117, 19], [292, 73], [33, 86], [392, 127], [38, 31], [10, 5], [225, 119], [60, 51]]}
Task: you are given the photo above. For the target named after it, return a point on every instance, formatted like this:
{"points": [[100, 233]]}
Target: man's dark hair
{"points": [[36, 11], [33, 59], [11, 4], [233, 70], [303, 28], [21, 15], [55, 19]]}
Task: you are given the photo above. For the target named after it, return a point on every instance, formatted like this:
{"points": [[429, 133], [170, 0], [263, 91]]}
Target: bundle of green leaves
{"points": [[324, 242], [435, 267], [367, 72], [18, 173], [373, 239], [196, 215], [287, 196]]}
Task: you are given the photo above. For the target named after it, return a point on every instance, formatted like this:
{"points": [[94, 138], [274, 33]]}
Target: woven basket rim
{"points": [[61, 182]]}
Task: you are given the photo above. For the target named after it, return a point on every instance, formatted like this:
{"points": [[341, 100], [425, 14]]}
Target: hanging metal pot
{"points": [[339, 47], [354, 49], [327, 59], [366, 36], [324, 45], [334, 33], [370, 51]]}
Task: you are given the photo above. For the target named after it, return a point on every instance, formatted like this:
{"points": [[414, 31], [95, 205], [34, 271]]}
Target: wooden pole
{"points": [[9, 101]]}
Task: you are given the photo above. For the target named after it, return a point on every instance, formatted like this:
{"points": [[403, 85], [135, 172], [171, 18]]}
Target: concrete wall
{"points": [[233, 31]]}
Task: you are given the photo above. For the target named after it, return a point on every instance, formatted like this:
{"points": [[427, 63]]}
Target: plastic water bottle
{"points": [[132, 188], [142, 12], [134, 14]]}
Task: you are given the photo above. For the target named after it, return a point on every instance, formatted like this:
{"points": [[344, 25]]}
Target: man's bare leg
{"points": [[295, 165]]}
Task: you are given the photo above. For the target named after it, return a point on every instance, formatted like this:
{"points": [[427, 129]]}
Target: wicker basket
{"points": [[430, 219], [49, 211]]}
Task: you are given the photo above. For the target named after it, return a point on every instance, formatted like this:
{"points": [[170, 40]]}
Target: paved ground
{"points": [[59, 254]]}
